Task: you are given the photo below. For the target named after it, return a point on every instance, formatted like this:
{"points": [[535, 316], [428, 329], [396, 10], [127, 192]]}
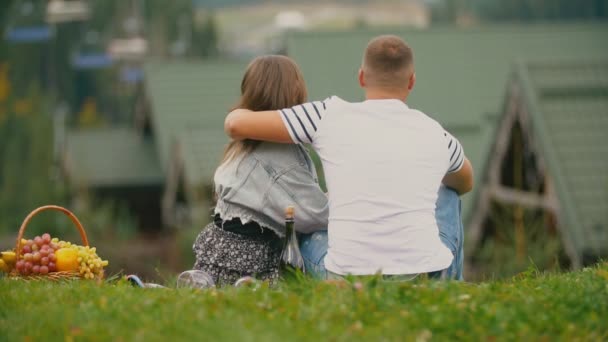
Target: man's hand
{"points": [[462, 180], [265, 126]]}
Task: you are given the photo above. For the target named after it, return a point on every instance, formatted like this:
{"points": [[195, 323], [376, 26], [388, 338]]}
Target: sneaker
{"points": [[135, 281]]}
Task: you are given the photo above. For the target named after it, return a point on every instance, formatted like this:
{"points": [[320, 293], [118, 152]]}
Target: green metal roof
{"points": [[568, 105], [112, 157], [202, 151], [461, 72], [189, 103]]}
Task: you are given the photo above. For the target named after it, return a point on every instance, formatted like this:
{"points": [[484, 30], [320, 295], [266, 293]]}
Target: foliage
{"points": [[230, 3], [170, 25], [206, 37], [175, 30], [28, 62], [531, 306], [108, 220], [26, 162], [530, 10], [522, 10], [184, 240], [501, 253], [29, 175], [4, 10]]}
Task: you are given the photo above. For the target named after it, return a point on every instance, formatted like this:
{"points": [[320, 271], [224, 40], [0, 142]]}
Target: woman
{"points": [[256, 181]]}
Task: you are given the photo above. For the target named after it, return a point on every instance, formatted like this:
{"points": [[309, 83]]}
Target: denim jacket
{"points": [[260, 185]]}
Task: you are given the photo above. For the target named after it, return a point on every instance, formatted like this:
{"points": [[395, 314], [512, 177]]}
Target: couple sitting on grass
{"points": [[393, 176]]}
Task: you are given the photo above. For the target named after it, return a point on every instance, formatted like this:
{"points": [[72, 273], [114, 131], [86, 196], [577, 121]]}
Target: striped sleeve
{"points": [[302, 121], [455, 152]]}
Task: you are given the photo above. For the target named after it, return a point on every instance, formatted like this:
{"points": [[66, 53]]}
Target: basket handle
{"points": [[68, 213]]}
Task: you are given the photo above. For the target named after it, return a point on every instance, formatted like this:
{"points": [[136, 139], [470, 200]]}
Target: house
{"points": [[117, 164], [162, 164], [549, 154], [188, 102]]}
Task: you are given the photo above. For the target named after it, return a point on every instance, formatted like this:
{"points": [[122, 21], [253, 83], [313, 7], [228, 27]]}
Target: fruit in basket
{"points": [[7, 261], [36, 253], [9, 257], [67, 259], [43, 254], [4, 267], [89, 264]]}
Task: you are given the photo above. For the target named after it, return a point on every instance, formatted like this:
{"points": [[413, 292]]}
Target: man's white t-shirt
{"points": [[384, 164]]}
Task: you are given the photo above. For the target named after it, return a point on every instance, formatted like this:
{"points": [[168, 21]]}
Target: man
{"points": [[385, 164]]}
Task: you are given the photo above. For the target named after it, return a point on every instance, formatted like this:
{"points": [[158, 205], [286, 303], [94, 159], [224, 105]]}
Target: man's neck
{"points": [[379, 94]]}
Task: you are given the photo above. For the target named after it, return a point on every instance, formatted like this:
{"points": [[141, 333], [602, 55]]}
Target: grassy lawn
{"points": [[570, 306]]}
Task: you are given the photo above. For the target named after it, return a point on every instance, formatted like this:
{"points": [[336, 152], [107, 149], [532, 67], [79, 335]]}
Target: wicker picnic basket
{"points": [[54, 276]]}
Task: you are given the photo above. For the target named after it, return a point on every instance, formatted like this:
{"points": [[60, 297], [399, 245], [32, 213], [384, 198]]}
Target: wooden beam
{"points": [[571, 251], [475, 228], [174, 172], [524, 198], [503, 134], [497, 154]]}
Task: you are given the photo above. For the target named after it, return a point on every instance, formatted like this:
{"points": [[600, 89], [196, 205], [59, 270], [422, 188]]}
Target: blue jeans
{"points": [[448, 215]]}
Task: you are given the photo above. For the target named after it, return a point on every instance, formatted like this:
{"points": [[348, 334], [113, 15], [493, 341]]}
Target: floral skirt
{"points": [[227, 256]]}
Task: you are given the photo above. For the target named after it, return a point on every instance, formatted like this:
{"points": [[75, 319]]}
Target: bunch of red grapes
{"points": [[37, 256]]}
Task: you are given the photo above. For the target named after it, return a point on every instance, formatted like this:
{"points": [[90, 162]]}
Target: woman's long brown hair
{"points": [[270, 83]]}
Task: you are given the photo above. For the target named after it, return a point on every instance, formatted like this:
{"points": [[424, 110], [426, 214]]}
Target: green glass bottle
{"points": [[291, 258]]}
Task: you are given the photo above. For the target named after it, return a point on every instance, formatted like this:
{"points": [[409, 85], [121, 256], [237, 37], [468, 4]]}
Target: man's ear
{"points": [[361, 78], [412, 82]]}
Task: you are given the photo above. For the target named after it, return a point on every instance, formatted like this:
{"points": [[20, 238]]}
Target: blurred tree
{"points": [[88, 116], [62, 75], [5, 6], [447, 11], [26, 161], [521, 10], [529, 10], [5, 84], [103, 13], [205, 37], [25, 53], [175, 29], [95, 82]]}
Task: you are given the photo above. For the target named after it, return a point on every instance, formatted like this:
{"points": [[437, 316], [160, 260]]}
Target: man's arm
{"points": [[459, 176], [297, 124], [460, 181], [266, 126]]}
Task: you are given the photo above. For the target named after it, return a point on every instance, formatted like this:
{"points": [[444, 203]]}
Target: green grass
{"points": [[531, 306]]}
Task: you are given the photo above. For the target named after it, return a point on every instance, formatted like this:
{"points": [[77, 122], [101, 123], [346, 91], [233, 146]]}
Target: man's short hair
{"points": [[388, 62]]}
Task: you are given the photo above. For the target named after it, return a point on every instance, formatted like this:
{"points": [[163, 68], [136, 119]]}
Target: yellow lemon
{"points": [[67, 259], [9, 257]]}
